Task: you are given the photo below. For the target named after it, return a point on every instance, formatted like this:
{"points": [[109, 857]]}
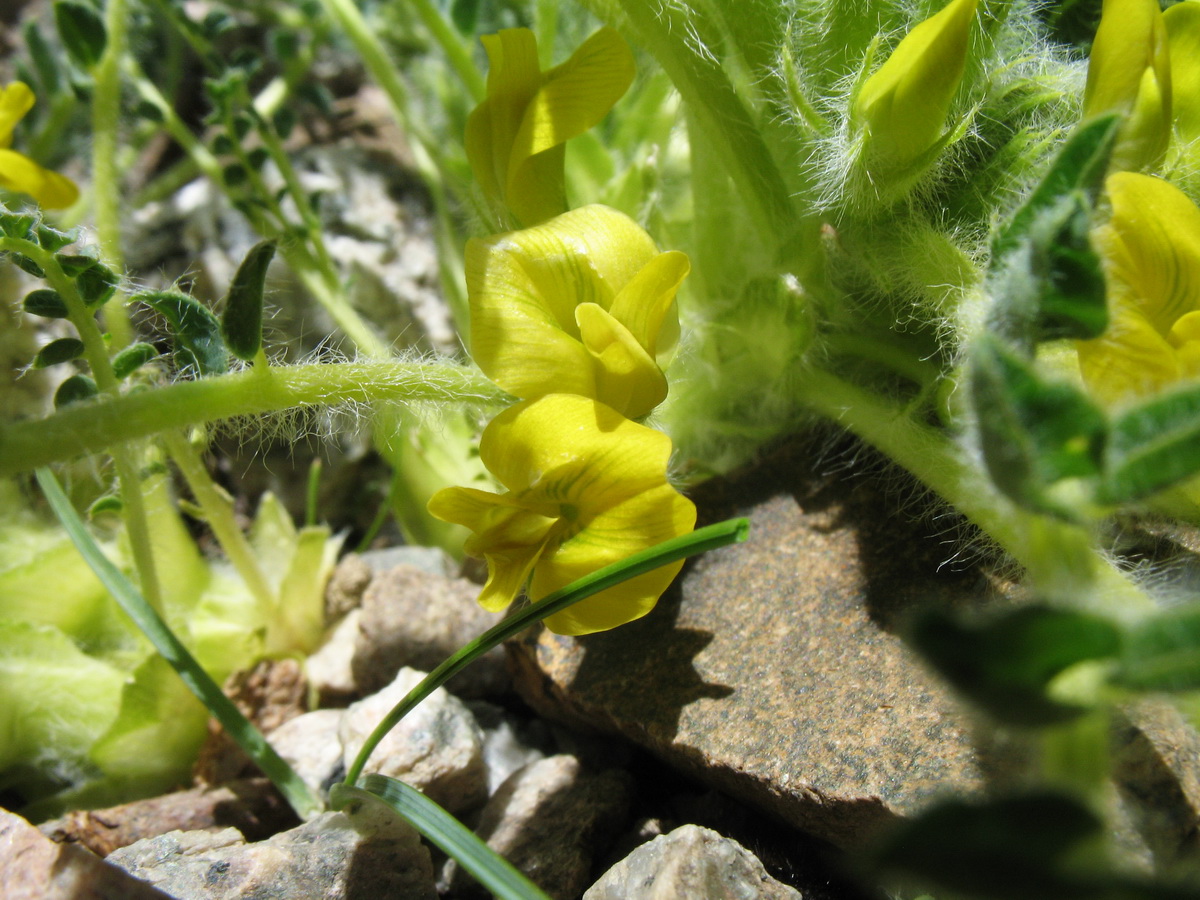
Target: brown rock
{"points": [[252, 806], [773, 670], [415, 618], [346, 585], [32, 867]]}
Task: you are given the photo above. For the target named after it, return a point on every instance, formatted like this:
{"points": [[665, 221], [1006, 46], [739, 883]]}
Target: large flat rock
{"points": [[774, 669]]}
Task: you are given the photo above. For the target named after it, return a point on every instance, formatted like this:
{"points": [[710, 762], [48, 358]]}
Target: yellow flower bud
{"points": [[585, 487], [1129, 72], [1151, 252], [18, 172], [1182, 22], [904, 104], [582, 304], [515, 138]]}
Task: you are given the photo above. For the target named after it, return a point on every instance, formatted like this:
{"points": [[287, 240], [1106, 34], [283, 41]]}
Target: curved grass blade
{"points": [[703, 539], [172, 650], [490, 869]]}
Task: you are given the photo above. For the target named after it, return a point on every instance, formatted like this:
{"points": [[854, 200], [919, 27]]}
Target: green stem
{"points": [[1060, 559], [699, 541], [151, 624], [92, 426], [106, 175], [456, 50], [217, 508]]}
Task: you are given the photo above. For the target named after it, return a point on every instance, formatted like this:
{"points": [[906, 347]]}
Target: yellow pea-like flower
{"points": [[1129, 72], [1151, 253], [18, 172], [516, 137], [904, 104], [581, 304], [585, 487]]}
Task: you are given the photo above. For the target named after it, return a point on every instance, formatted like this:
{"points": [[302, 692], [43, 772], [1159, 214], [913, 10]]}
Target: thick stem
{"points": [[92, 426]]}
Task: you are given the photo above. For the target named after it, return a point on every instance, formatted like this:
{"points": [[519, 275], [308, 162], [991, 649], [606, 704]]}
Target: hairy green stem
{"points": [[457, 51], [92, 426], [106, 175], [699, 541]]}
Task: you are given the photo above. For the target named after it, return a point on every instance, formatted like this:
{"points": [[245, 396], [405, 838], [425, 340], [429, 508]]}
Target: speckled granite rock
{"points": [[690, 862], [549, 819], [333, 857], [773, 669], [32, 867]]}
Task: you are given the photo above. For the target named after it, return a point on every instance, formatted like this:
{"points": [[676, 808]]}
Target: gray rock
{"points": [[691, 862], [332, 857], [329, 670], [411, 617], [32, 867], [773, 669], [310, 744], [344, 590], [508, 742], [437, 748], [549, 819]]}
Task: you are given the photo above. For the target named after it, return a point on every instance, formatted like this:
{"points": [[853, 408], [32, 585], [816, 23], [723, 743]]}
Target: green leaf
{"points": [[176, 654], [82, 31], [109, 503], [27, 265], [132, 358], [1079, 167], [196, 331], [96, 284], [1071, 298], [75, 264], [46, 303], [1034, 433], [59, 351], [1004, 849], [74, 389], [1162, 653], [54, 240], [1006, 664], [44, 59], [16, 225], [464, 14], [241, 324], [1152, 446], [444, 831]]}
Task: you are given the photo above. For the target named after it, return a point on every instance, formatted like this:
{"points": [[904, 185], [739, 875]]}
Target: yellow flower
{"points": [[515, 138], [20, 173], [1182, 22], [1129, 72], [581, 304], [1151, 251], [585, 487], [904, 104]]}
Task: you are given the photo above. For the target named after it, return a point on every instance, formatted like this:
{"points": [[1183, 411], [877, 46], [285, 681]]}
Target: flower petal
{"points": [[646, 304], [20, 173], [573, 451], [1182, 22], [1131, 359], [573, 97], [15, 100], [627, 379], [636, 524], [1155, 246]]}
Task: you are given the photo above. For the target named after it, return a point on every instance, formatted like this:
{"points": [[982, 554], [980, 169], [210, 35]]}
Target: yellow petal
{"points": [[1131, 359], [509, 537], [1129, 71], [904, 104], [646, 303], [574, 97], [22, 174], [574, 452], [513, 78], [627, 378], [636, 524], [15, 100], [524, 286], [1152, 243], [1182, 22]]}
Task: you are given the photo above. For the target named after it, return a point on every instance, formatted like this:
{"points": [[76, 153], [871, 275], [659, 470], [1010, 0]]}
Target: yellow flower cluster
{"points": [[574, 314], [18, 172]]}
